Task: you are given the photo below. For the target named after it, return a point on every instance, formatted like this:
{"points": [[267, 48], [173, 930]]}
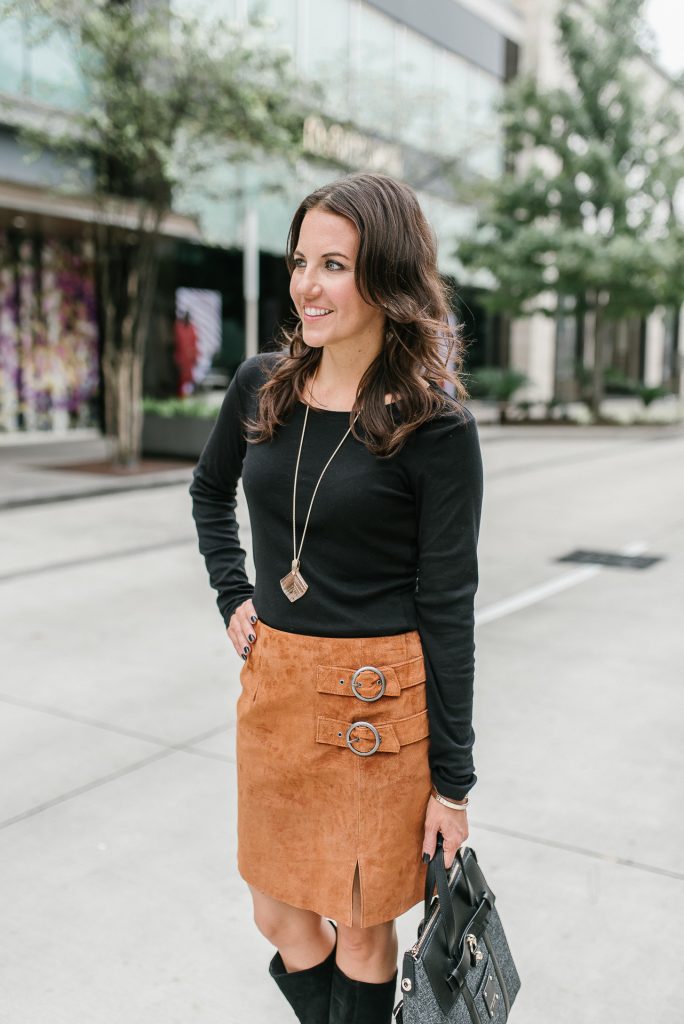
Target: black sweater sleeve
{"points": [[213, 492], [448, 486]]}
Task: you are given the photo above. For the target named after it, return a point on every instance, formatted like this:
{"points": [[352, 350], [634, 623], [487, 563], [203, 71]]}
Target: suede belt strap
{"points": [[393, 735], [337, 678]]}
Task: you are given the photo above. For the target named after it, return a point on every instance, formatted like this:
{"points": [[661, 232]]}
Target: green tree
{"points": [[168, 97], [585, 214]]}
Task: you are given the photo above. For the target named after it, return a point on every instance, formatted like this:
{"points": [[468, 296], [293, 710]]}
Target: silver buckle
{"points": [[382, 683], [349, 740]]}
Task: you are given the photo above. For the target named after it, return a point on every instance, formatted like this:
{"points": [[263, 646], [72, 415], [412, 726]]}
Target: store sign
{"points": [[354, 149]]}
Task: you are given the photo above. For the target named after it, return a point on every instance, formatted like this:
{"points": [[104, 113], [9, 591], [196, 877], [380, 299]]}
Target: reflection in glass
{"points": [[374, 72], [13, 63], [53, 70], [324, 51], [451, 103], [283, 15], [417, 89]]}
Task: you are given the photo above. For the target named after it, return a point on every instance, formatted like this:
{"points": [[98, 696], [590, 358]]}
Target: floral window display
{"points": [[9, 340], [49, 363]]}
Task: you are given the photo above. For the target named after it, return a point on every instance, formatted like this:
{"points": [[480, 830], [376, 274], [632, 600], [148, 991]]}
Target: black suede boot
{"points": [[361, 1002], [307, 991]]}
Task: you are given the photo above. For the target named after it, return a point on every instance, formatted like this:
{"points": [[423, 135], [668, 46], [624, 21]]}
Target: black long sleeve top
{"points": [[391, 543]]}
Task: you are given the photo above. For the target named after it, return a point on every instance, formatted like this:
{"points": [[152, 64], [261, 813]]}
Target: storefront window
{"points": [[49, 372]]}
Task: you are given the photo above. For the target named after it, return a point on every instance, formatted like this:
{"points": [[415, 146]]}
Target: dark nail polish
{"points": [[244, 657], [246, 650], [426, 858], [251, 638], [252, 619]]}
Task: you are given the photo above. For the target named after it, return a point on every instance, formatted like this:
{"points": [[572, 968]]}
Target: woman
{"points": [[185, 353], [363, 480]]}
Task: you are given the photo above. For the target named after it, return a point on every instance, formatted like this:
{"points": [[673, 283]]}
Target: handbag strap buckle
{"points": [[476, 954]]}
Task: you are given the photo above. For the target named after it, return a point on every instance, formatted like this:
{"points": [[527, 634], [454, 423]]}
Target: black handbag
{"points": [[460, 969]]}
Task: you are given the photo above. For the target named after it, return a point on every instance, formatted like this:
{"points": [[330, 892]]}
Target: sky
{"points": [[666, 18]]}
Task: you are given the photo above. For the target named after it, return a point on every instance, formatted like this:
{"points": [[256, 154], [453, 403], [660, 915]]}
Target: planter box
{"points": [[182, 436]]}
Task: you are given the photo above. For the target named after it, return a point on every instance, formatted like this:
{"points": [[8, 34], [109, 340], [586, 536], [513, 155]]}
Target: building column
{"points": [[680, 354], [655, 348], [533, 352]]}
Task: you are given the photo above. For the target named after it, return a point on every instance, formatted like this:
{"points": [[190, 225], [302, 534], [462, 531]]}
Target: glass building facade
{"points": [[401, 94], [407, 89], [37, 64]]}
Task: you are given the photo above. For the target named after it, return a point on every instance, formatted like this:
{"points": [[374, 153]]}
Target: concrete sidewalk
{"points": [[32, 468], [121, 902]]}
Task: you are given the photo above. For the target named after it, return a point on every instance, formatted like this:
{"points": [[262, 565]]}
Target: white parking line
{"points": [[538, 593]]}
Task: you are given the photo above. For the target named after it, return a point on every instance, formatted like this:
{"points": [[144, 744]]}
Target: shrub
{"points": [[649, 394], [616, 383], [170, 407], [495, 382]]}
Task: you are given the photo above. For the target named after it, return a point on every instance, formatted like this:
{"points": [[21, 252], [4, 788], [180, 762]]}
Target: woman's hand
{"points": [[452, 824], [240, 628]]}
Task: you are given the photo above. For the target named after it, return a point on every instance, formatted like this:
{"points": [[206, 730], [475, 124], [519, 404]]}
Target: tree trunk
{"points": [[128, 291], [597, 381], [125, 452], [593, 340]]}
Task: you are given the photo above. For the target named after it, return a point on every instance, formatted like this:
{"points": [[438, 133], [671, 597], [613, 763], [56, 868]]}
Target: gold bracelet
{"points": [[448, 803]]}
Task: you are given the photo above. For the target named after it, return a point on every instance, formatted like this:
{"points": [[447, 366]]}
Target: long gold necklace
{"points": [[294, 585]]}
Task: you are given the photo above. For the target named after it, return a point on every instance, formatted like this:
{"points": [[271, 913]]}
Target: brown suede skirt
{"points": [[321, 795]]}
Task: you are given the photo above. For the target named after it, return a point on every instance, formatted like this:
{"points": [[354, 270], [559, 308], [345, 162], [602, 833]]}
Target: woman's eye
{"points": [[298, 261]]}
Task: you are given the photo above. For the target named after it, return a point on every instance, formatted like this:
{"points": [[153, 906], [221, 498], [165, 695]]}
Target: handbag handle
{"points": [[438, 860], [437, 872]]}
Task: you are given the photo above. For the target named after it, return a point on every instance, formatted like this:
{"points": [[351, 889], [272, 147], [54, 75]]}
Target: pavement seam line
{"points": [[76, 563], [70, 716], [127, 487], [558, 844], [98, 492], [103, 780], [80, 790], [138, 549], [497, 829]]}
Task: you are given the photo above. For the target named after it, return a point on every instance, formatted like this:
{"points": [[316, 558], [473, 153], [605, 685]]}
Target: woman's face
{"points": [[323, 288]]}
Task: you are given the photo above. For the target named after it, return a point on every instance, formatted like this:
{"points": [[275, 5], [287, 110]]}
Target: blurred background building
{"points": [[409, 90], [649, 350]]}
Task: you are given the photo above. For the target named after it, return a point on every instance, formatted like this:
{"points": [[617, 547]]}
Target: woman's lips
{"points": [[311, 318]]}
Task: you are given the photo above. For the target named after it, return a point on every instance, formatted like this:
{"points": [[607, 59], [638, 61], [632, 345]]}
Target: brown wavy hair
{"points": [[396, 270]]}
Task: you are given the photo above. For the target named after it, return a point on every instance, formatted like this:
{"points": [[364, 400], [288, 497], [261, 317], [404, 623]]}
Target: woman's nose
{"points": [[308, 286]]}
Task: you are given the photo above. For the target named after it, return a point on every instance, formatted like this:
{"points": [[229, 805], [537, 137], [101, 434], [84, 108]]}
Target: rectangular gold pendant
{"points": [[294, 585]]}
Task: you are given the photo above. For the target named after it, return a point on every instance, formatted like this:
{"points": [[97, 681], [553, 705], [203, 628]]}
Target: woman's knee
{"points": [[280, 926], [280, 923], [364, 944]]}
